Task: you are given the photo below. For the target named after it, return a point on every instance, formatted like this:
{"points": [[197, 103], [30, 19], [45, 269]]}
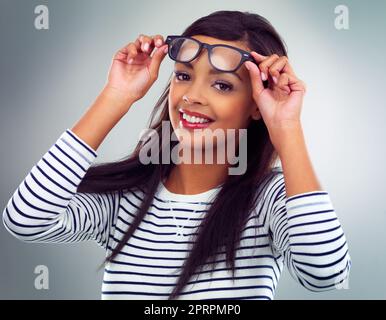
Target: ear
{"points": [[255, 112]]}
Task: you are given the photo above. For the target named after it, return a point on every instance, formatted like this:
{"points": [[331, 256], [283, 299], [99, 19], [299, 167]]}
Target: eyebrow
{"points": [[212, 71]]}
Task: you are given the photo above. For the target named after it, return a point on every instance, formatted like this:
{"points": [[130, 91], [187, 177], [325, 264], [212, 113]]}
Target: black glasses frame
{"points": [[245, 55]]}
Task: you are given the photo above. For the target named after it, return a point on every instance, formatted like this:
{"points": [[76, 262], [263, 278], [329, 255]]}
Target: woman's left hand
{"points": [[281, 102]]}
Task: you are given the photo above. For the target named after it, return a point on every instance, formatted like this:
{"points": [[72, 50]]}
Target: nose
{"points": [[191, 98], [194, 93]]}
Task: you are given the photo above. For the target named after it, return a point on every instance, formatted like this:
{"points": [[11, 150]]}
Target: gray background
{"points": [[49, 77]]}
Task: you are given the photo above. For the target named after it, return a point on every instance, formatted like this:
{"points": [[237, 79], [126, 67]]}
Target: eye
{"points": [[225, 86], [179, 74]]}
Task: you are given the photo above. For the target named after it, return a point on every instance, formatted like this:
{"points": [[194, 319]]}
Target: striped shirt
{"points": [[301, 232]]}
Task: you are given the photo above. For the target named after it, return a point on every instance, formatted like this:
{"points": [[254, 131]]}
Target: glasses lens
{"points": [[225, 59], [222, 58], [183, 49]]}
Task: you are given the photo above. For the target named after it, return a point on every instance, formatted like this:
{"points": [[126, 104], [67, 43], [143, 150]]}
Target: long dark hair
{"points": [[238, 195]]}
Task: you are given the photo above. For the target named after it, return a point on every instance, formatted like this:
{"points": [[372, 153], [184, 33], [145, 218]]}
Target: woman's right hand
{"points": [[133, 71]]}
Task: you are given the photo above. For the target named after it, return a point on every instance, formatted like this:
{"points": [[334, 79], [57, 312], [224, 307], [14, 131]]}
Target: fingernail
{"points": [[274, 79], [158, 42], [146, 46], [263, 76], [247, 65], [166, 49], [131, 60]]}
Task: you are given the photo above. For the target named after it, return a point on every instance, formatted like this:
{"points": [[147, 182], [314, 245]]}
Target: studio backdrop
{"points": [[54, 59]]}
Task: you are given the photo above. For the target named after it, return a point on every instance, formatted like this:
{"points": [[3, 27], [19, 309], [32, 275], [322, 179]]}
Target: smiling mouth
{"points": [[193, 122]]}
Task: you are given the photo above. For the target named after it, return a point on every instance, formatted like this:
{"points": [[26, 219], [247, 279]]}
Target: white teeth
{"points": [[194, 119]]}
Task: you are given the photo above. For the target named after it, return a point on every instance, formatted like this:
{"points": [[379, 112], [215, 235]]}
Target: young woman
{"points": [[191, 230]]}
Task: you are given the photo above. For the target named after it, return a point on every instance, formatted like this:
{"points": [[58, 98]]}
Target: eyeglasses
{"points": [[222, 57]]}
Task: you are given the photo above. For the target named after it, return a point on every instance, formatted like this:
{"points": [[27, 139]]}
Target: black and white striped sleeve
{"points": [[46, 208], [305, 229]]}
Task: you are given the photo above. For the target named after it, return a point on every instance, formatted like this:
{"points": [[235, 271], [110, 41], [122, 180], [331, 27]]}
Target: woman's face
{"points": [[224, 97]]}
